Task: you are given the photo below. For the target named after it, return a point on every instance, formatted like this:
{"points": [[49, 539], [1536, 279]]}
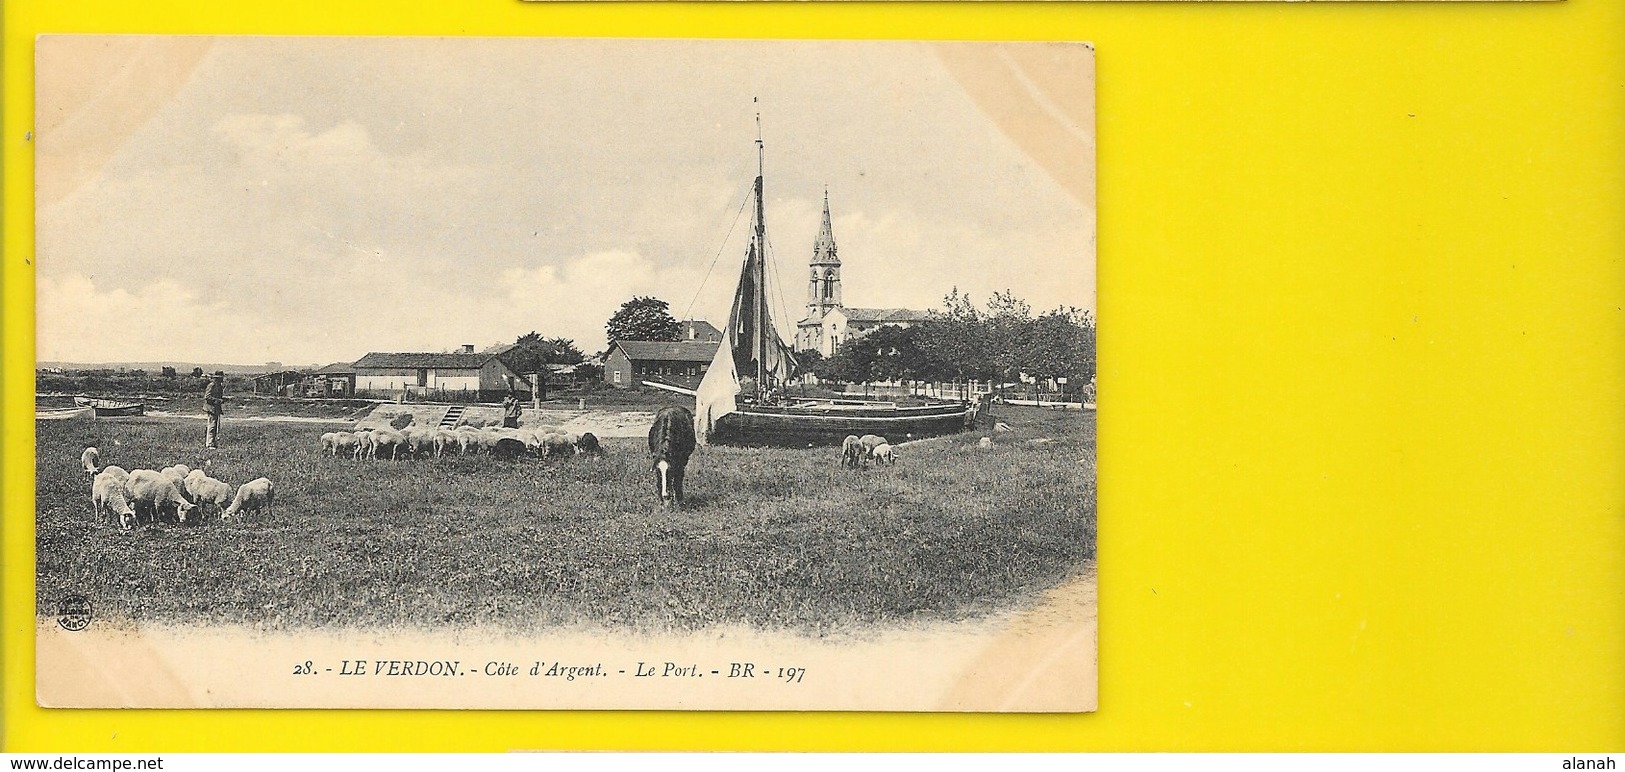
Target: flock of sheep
{"points": [[173, 491], [424, 441], [861, 450]]}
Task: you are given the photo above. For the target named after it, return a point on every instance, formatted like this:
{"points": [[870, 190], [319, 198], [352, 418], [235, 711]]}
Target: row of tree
{"points": [[962, 342]]}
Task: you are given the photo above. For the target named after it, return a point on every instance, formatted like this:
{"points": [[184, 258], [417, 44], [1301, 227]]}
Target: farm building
{"points": [[284, 382], [334, 380], [681, 363], [464, 375]]}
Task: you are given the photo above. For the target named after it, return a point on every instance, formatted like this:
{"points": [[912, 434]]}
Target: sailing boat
{"points": [[740, 400]]}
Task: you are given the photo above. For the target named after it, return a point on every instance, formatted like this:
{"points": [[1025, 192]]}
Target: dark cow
{"points": [[671, 442]]}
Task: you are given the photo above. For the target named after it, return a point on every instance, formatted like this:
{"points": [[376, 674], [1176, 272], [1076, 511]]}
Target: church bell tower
{"points": [[824, 286]]}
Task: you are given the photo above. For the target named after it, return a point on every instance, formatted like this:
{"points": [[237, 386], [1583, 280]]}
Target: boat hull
{"points": [[800, 427], [109, 409]]}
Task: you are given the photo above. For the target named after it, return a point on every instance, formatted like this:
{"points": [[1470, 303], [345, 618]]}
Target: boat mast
{"points": [[760, 309]]}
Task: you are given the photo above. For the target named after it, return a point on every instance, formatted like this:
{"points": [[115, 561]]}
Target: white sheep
{"points": [[252, 496], [91, 460], [344, 442], [206, 490], [155, 493], [107, 497], [419, 440], [883, 454], [445, 439], [330, 441], [385, 437]]}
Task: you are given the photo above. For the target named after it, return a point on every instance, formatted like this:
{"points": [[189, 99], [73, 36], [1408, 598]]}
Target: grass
{"points": [[772, 538]]}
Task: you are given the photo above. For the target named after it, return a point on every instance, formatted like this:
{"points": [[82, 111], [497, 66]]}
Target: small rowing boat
{"points": [[107, 408]]}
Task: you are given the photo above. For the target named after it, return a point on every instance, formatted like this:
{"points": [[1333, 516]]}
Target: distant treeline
{"points": [[113, 382], [962, 342]]}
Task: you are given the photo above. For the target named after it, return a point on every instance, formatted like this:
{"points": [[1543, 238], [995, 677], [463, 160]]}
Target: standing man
{"points": [[214, 403], [510, 410]]}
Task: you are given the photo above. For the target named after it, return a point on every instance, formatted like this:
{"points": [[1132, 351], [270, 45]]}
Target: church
{"points": [[829, 323]]}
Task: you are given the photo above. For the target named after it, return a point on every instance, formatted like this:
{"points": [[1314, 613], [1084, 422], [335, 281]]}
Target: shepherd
{"points": [[511, 410], [214, 404], [671, 442]]}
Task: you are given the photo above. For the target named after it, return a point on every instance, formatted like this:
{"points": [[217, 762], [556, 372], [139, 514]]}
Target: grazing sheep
{"points": [[363, 444], [445, 439], [587, 444], [344, 442], [556, 445], [869, 443], [206, 490], [532, 440], [330, 441], [178, 474], [91, 460], [252, 496], [468, 439], [390, 439], [419, 441], [107, 497], [115, 471], [851, 452], [671, 442], [156, 493], [884, 454]]}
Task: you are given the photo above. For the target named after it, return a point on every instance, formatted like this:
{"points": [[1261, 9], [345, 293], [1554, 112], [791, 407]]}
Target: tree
{"points": [[809, 361], [169, 372], [197, 372], [643, 318]]}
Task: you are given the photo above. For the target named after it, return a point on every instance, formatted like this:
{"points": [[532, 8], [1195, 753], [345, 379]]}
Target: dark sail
{"points": [[759, 353]]}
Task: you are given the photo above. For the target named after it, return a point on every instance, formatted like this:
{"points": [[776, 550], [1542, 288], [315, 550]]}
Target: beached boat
{"points": [[107, 408], [741, 399]]}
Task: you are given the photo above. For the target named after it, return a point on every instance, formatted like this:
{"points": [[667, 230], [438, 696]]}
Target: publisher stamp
{"points": [[73, 613]]}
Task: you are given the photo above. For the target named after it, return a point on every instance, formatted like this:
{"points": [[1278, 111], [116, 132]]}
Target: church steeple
{"points": [[824, 247], [824, 285]]}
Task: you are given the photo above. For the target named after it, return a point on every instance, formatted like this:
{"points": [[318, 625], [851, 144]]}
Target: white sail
{"points": [[715, 397]]}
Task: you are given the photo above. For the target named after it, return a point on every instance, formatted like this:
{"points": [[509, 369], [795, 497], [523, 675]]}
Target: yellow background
{"points": [[1362, 359]]}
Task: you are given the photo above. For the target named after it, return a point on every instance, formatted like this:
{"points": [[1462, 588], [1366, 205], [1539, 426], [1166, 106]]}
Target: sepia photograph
{"points": [[565, 373]]}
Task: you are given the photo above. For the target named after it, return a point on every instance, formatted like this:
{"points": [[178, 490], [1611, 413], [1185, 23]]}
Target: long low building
{"points": [[679, 363], [462, 375]]}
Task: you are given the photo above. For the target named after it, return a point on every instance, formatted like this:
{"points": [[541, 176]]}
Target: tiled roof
{"points": [[337, 368], [884, 314], [676, 351], [458, 361]]}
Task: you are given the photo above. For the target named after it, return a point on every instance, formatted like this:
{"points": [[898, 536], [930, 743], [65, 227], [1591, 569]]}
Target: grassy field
{"points": [[779, 539]]}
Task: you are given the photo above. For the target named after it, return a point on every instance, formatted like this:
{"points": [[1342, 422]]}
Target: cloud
{"points": [[311, 200], [79, 322]]}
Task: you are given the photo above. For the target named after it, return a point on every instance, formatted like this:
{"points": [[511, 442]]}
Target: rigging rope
{"points": [[701, 288]]}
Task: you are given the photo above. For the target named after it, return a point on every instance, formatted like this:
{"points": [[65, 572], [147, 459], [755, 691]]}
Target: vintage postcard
{"points": [[541, 373]]}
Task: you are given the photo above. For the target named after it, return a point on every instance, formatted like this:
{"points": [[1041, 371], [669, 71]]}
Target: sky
{"points": [[308, 200]]}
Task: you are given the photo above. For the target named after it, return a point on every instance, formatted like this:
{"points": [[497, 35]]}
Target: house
{"points": [[462, 375], [680, 363]]}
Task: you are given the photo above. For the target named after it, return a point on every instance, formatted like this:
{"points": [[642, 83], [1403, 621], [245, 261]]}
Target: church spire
{"points": [[824, 247]]}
